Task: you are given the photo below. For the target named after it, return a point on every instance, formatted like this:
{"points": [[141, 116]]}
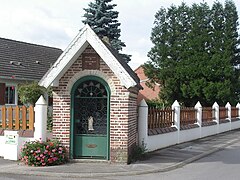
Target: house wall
{"points": [[147, 93], [123, 109]]}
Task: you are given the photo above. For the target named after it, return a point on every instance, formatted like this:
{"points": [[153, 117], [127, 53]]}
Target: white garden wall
{"points": [[189, 135], [154, 142], [209, 130]]}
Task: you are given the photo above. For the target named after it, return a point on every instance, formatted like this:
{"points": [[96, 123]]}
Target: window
{"points": [[10, 95]]}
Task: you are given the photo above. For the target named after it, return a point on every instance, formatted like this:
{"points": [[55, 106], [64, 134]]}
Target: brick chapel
{"points": [[94, 100]]}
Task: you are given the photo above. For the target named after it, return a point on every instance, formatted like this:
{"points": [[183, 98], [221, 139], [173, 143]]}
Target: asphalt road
{"points": [[222, 165]]}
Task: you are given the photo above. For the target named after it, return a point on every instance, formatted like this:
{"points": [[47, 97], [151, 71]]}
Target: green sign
{"points": [[11, 139]]}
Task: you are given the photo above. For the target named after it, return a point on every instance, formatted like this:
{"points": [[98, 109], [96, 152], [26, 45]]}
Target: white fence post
{"points": [[216, 114], [229, 114], [238, 106], [40, 125], [198, 107], [176, 109], [143, 123]]}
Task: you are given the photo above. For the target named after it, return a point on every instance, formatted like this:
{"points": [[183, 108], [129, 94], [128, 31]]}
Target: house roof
{"points": [[111, 57], [25, 61], [123, 63]]}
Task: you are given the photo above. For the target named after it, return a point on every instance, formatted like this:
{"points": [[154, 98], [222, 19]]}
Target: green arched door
{"points": [[90, 114]]}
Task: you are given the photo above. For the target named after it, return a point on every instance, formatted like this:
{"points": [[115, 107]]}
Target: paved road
{"points": [[222, 165]]}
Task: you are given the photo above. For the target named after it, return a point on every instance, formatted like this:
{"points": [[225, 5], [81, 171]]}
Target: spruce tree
{"points": [[101, 17]]}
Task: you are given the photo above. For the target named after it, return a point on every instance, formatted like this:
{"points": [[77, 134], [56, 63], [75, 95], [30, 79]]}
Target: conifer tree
{"points": [[231, 31], [101, 17], [195, 53]]}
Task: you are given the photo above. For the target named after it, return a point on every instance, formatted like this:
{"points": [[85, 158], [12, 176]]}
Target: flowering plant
{"points": [[40, 153]]}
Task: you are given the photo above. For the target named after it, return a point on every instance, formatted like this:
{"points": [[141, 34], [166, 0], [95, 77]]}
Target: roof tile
{"points": [[17, 58]]}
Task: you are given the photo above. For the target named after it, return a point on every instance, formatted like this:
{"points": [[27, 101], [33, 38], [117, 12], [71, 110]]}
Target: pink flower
{"points": [[55, 158], [53, 150], [50, 160]]}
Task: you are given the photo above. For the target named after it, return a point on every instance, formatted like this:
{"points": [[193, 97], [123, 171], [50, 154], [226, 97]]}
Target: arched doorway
{"points": [[90, 118]]}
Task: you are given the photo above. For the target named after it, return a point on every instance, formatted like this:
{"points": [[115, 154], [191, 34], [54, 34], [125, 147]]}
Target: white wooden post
{"points": [[229, 115], [40, 125], [228, 107], [198, 107], [216, 114], [238, 106], [143, 123], [176, 109]]}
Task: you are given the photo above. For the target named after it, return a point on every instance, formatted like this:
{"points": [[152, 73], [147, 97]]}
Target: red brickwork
{"points": [[123, 110], [147, 93]]}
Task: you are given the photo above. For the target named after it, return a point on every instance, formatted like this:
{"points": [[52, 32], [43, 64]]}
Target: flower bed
{"points": [[39, 153]]}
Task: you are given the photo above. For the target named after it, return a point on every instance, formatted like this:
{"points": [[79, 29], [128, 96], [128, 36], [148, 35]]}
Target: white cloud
{"points": [[137, 59]]}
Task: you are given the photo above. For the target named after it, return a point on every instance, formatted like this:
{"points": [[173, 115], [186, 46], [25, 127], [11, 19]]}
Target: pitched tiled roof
{"points": [[84, 38], [123, 63], [20, 60]]}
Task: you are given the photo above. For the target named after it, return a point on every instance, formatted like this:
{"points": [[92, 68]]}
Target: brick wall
{"points": [[147, 93], [123, 108]]}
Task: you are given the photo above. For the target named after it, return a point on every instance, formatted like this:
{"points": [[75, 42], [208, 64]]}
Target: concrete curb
{"points": [[156, 170]]}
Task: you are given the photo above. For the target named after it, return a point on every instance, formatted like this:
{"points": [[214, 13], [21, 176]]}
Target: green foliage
{"points": [[29, 93], [38, 153], [138, 153], [103, 20], [49, 123], [156, 103], [195, 54]]}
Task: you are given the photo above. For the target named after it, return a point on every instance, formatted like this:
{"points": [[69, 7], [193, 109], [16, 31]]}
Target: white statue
{"points": [[90, 123]]}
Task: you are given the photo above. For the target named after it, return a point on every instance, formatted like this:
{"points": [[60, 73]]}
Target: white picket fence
{"points": [[161, 140]]}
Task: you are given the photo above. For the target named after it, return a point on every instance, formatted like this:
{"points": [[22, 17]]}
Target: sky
{"points": [[56, 22]]}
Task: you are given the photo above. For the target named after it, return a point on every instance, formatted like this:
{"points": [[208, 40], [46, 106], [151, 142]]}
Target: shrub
{"points": [[39, 153], [49, 123], [156, 103], [138, 153], [29, 93]]}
